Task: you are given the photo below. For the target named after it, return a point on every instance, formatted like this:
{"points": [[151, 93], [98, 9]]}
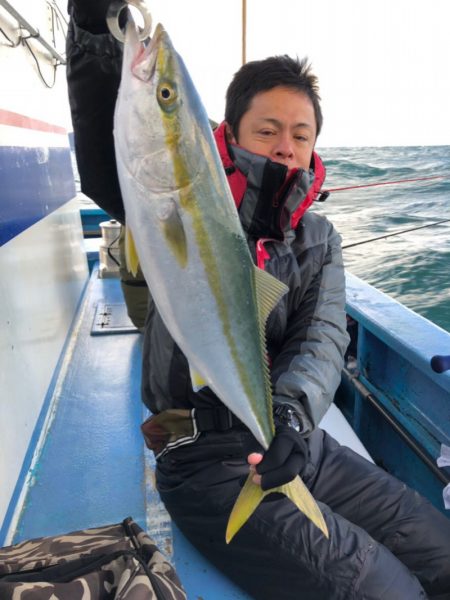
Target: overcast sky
{"points": [[383, 65]]}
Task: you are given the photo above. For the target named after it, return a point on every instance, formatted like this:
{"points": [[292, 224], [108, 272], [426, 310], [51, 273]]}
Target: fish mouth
{"points": [[158, 36], [144, 64]]}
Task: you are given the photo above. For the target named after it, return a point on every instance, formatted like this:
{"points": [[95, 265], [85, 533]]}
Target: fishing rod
{"points": [[405, 435], [324, 195], [382, 237]]}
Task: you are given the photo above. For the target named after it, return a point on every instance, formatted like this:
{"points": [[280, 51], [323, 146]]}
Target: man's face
{"points": [[281, 125]]}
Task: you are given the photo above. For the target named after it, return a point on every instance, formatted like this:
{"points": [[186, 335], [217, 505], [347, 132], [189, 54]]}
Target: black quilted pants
{"points": [[386, 542]]}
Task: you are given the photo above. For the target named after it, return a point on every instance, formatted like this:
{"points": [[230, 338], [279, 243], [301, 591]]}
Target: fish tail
{"points": [[251, 495]]}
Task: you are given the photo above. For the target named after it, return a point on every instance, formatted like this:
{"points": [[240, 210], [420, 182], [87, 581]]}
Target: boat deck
{"points": [[92, 467]]}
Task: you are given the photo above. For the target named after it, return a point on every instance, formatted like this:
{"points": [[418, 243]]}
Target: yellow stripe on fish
{"points": [[266, 295]]}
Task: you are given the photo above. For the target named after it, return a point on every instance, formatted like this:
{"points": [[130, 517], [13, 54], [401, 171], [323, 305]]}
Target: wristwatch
{"points": [[286, 415]]}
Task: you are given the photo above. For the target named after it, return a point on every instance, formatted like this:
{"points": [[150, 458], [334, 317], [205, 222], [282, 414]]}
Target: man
{"points": [[384, 538]]}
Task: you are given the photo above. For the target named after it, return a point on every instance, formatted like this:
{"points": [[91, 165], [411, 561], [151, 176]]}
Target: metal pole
{"points": [[244, 31], [24, 24]]}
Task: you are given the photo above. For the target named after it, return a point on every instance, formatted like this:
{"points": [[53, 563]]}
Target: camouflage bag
{"points": [[116, 562]]}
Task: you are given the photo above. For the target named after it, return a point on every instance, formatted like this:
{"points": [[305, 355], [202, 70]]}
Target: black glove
{"points": [[285, 458], [91, 14]]}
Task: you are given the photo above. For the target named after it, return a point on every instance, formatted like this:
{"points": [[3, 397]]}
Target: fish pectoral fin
{"points": [[173, 230], [251, 495], [198, 382], [269, 291], [131, 255]]}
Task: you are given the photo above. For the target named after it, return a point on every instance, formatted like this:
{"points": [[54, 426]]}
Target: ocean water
{"points": [[413, 267]]}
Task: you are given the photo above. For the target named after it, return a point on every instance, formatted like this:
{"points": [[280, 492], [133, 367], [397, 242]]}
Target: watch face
{"points": [[288, 416], [292, 419], [295, 422]]}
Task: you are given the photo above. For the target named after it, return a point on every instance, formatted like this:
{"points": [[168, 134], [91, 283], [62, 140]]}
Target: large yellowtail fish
{"points": [[191, 246]]}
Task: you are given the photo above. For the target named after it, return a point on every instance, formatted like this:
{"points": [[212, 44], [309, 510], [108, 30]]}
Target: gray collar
{"points": [[270, 199]]}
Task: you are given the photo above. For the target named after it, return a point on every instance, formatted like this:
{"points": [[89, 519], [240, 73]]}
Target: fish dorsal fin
{"points": [[131, 255], [269, 291]]}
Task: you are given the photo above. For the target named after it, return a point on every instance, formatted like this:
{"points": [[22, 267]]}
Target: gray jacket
{"points": [[306, 332]]}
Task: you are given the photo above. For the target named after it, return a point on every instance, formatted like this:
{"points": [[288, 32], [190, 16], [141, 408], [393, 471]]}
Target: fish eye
{"points": [[167, 95]]}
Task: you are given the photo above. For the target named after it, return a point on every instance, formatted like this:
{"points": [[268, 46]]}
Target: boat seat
{"points": [[92, 467], [334, 423]]}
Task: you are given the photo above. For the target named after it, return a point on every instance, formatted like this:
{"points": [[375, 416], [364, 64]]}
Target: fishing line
{"points": [[326, 193], [59, 14], [366, 185], [36, 60], [382, 237], [12, 44], [110, 254]]}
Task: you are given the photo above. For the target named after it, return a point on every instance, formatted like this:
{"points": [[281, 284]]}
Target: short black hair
{"points": [[263, 75]]}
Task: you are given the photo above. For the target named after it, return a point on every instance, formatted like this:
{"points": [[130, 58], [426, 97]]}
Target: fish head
{"points": [[160, 122]]}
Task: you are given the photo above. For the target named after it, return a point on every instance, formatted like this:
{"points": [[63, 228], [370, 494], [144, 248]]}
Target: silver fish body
{"points": [[192, 249], [187, 232]]}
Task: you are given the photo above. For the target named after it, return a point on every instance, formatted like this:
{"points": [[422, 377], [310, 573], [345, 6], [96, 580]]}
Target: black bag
{"points": [[115, 562]]}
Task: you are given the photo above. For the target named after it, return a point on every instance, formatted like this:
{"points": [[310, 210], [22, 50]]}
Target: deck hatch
{"points": [[112, 318]]}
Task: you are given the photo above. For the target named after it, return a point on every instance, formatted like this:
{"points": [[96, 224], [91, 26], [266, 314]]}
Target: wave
{"points": [[411, 266]]}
